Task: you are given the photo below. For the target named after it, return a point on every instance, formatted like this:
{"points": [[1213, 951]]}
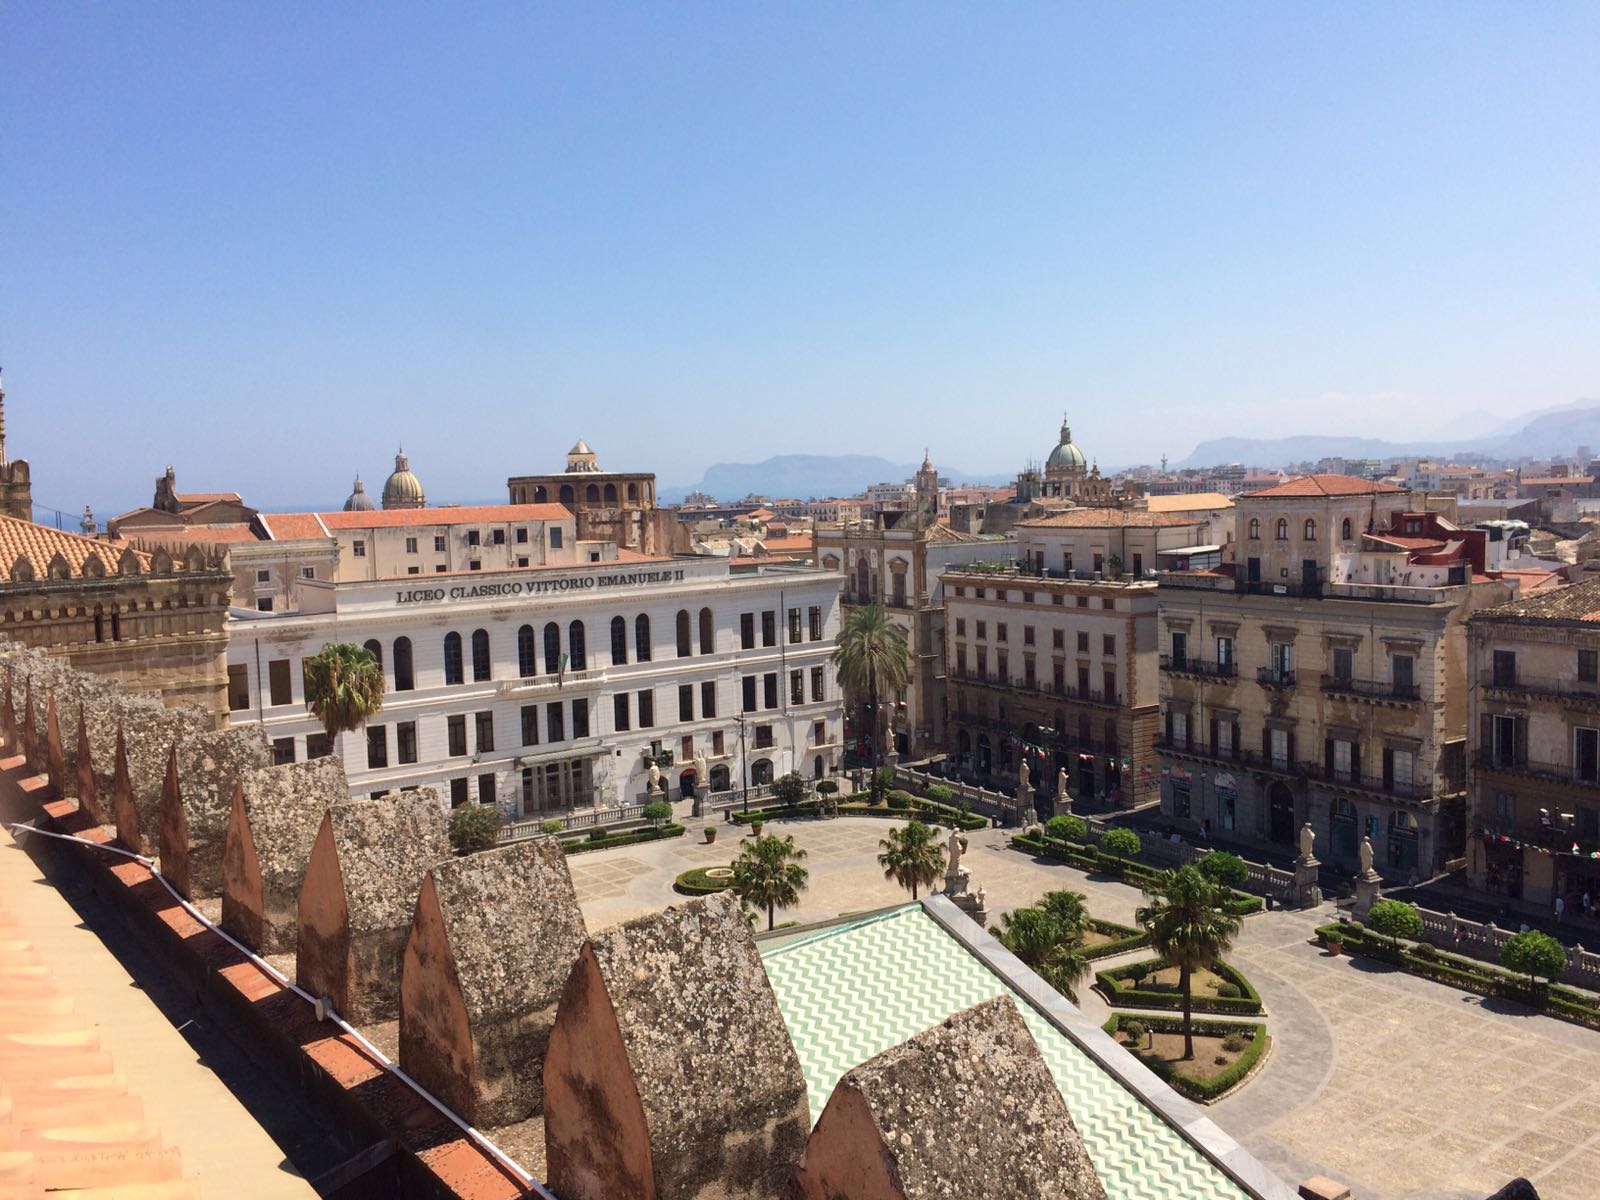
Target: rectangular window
{"points": [[1282, 661], [1505, 668], [1109, 685], [1403, 668], [647, 709], [1000, 631], [318, 746], [555, 537], [1083, 643], [1180, 729], [686, 747], [1027, 635], [238, 687], [1180, 650], [405, 740], [769, 627], [360, 548], [475, 565], [483, 730], [716, 743], [1278, 747], [747, 687], [619, 712], [797, 687], [486, 789], [522, 535], [763, 737], [961, 627], [983, 630], [794, 626], [377, 746], [1083, 601], [1108, 644], [686, 702], [458, 792], [1058, 639], [530, 724], [498, 537], [1505, 740], [456, 735], [263, 576], [1138, 566], [472, 538], [708, 698], [438, 545], [814, 619], [580, 718], [308, 572], [555, 725], [769, 689], [1588, 666], [278, 682], [819, 733], [411, 545], [1225, 655], [264, 604], [961, 660], [1586, 755], [1224, 739], [283, 751], [747, 631], [816, 683], [1344, 663]]}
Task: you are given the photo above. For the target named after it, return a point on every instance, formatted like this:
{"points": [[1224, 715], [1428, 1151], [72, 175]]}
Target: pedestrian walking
{"points": [[1561, 908]]}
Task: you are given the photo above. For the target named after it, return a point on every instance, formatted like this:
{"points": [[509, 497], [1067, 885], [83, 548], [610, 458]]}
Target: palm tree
{"points": [[1051, 946], [1189, 928], [873, 663], [344, 687], [1069, 909], [912, 856], [768, 873]]}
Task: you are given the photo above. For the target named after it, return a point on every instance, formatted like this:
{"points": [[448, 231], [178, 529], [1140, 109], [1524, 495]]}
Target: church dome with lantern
{"points": [[1065, 456], [403, 489], [358, 500]]}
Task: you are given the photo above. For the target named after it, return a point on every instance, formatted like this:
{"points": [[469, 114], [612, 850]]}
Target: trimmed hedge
{"points": [[1089, 858], [583, 845], [930, 813], [698, 883], [1248, 1000], [1203, 1090], [1123, 939], [1468, 974]]}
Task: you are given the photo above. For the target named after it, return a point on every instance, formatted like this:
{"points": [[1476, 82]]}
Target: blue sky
{"points": [[268, 243]]}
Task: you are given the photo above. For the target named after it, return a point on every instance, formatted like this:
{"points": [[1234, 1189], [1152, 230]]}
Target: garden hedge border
{"points": [[583, 845], [937, 814], [1130, 939], [1468, 974], [1203, 1090], [685, 887], [1248, 1003], [1089, 858]]}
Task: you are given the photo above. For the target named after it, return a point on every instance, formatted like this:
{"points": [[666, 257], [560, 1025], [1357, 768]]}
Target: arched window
{"points": [[375, 648], [708, 633], [641, 637], [1283, 529], [633, 491], [1255, 528], [452, 658], [611, 493], [1311, 530], [552, 648], [619, 642], [684, 648], [480, 656], [575, 646], [592, 493], [567, 496], [1344, 529], [816, 767], [719, 778], [540, 495], [761, 772], [404, 678], [527, 653]]}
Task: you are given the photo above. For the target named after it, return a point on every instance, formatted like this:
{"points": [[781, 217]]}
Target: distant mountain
{"points": [[1549, 432], [804, 476]]}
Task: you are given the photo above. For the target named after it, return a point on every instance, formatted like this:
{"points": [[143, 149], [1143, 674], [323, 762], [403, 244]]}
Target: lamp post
{"points": [[744, 766]]}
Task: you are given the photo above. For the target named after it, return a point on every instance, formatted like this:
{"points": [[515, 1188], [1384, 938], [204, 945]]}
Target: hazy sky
{"points": [[269, 243]]}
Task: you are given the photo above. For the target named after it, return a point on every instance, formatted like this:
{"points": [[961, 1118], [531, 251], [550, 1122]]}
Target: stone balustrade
{"points": [[1485, 941]]}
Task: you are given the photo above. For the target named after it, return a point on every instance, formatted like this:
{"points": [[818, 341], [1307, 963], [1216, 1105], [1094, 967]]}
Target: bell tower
{"points": [[16, 485]]}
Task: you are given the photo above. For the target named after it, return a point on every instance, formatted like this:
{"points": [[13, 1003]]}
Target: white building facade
{"points": [[557, 688]]}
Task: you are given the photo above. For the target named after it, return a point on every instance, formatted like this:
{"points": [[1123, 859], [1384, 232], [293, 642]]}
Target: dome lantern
{"points": [[403, 489]]}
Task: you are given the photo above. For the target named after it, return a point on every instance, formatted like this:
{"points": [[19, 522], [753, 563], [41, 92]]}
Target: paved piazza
{"points": [[1405, 1089]]}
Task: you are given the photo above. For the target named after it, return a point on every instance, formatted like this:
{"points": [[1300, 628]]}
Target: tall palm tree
{"points": [[873, 663], [912, 856], [1051, 946], [1189, 928], [768, 873], [1069, 909], [344, 687]]}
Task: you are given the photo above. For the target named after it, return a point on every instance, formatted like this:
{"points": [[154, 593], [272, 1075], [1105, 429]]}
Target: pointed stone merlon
{"points": [[196, 799], [492, 941], [272, 824], [670, 1073], [967, 1108], [360, 889]]}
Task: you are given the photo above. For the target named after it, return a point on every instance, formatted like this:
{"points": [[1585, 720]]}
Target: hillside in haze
{"points": [[808, 476], [1552, 432]]}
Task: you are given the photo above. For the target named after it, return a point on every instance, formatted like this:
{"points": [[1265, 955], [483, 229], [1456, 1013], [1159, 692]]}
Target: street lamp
{"points": [[744, 766]]}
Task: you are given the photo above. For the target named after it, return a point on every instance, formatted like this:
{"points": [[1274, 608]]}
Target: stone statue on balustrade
{"points": [[655, 778], [1024, 781], [1368, 883], [957, 881]]}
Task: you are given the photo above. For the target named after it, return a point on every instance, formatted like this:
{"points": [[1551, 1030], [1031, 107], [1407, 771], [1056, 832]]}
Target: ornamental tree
{"points": [[1395, 919], [1124, 843], [1222, 867], [1533, 953]]}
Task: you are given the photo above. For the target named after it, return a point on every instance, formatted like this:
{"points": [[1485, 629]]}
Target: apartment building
{"points": [[1535, 771], [1318, 673]]}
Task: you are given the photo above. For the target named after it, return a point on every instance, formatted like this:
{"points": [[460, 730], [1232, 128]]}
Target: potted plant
{"points": [[1334, 941], [711, 834], [755, 826]]}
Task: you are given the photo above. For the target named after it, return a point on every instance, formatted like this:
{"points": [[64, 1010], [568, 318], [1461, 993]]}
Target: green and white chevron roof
{"points": [[855, 990]]}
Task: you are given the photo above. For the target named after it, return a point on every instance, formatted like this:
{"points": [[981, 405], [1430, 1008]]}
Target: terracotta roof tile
{"points": [[299, 525], [1327, 485], [1188, 502], [208, 497], [1578, 602], [39, 544], [1107, 518]]}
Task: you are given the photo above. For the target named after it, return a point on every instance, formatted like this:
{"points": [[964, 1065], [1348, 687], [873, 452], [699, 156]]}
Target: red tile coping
{"points": [[334, 1069]]}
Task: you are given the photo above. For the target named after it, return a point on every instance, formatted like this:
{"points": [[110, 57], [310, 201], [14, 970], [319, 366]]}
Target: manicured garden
{"points": [[1225, 1052], [896, 806], [1105, 939], [703, 881], [1114, 857], [600, 838], [1153, 983]]}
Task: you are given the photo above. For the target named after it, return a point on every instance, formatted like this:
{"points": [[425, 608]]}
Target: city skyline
{"points": [[704, 224]]}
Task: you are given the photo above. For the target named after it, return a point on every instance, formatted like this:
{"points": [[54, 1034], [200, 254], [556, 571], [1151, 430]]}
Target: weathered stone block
{"points": [[144, 733], [196, 800], [492, 942], [967, 1108], [668, 1038], [272, 823], [360, 890]]}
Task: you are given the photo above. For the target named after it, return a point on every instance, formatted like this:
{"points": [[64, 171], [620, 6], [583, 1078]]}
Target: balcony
{"points": [[1551, 772], [1275, 677], [1576, 691], [1175, 665], [1347, 781], [1039, 687], [1370, 689]]}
